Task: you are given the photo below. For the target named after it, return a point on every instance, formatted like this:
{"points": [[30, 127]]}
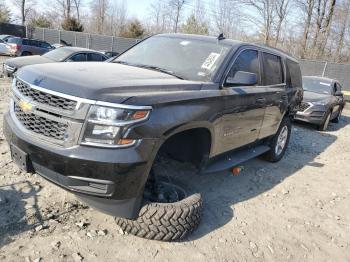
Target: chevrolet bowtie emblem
{"points": [[26, 106]]}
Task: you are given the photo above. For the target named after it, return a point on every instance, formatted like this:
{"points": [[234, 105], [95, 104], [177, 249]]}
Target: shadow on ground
{"points": [[222, 191], [16, 200]]}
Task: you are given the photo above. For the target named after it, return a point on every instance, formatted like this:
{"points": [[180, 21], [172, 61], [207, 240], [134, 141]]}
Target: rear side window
{"points": [[95, 57], [294, 76], [273, 72], [247, 61], [45, 45], [79, 58], [14, 41]]}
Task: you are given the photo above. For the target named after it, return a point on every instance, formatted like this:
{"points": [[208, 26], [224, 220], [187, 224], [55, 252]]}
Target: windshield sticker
{"points": [[184, 43], [210, 61], [201, 74], [325, 84]]}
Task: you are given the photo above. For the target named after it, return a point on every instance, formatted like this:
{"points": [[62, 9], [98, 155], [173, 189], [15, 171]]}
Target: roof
{"points": [[77, 49], [231, 42], [321, 78]]}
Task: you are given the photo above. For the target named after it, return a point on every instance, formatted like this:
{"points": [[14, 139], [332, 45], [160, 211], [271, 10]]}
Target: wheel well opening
{"points": [[188, 146]]}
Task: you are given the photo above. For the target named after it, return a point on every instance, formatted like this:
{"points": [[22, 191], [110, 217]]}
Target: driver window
{"points": [[247, 61], [337, 87]]}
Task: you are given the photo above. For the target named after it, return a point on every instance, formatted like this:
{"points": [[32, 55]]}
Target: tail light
{"points": [[15, 47]]}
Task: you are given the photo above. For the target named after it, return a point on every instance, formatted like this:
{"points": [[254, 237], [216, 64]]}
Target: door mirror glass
{"points": [[242, 78]]}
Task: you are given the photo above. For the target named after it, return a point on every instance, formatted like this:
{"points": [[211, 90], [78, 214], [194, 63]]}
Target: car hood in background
{"points": [[110, 82], [19, 62], [315, 97]]}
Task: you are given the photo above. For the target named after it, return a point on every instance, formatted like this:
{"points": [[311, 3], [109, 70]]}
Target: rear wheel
{"points": [[280, 141], [25, 53], [168, 213]]}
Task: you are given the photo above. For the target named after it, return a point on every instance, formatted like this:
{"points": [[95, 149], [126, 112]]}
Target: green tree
{"points": [[192, 26], [40, 21], [134, 29], [5, 15], [72, 24]]}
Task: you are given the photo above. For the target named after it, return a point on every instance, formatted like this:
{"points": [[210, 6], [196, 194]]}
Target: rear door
{"points": [[245, 105], [274, 92]]}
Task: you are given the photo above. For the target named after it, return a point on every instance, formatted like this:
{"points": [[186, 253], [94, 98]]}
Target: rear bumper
{"points": [[110, 180]]}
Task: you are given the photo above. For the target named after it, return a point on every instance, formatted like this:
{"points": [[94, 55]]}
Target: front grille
{"points": [[41, 125], [303, 106], [45, 98]]}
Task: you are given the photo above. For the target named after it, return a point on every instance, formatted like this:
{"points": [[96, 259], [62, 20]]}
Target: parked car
{"points": [[97, 129], [5, 37], [110, 53], [323, 101], [61, 44], [63, 54], [4, 48], [24, 46]]}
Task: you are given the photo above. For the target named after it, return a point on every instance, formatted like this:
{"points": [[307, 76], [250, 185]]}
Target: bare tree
{"points": [[99, 9], [25, 7], [159, 17], [117, 16], [77, 5], [282, 8], [225, 12], [307, 8], [343, 14], [177, 6], [265, 12]]}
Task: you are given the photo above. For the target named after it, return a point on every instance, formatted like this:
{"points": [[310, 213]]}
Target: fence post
{"points": [[324, 69], [27, 32], [112, 47], [43, 34], [75, 39], [59, 36]]}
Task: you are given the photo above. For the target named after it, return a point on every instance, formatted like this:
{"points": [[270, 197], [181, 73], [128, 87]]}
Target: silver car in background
{"points": [[4, 48]]}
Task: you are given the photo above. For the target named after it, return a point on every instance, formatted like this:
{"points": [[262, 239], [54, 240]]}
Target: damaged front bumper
{"points": [[313, 114], [110, 180]]}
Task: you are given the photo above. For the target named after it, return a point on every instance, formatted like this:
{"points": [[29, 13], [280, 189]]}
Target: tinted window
{"points": [[317, 85], [14, 40], [273, 73], [95, 57], [247, 61], [45, 45], [78, 57], [294, 74]]}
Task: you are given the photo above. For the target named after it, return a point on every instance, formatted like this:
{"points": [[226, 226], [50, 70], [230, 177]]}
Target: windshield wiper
{"points": [[159, 69]]}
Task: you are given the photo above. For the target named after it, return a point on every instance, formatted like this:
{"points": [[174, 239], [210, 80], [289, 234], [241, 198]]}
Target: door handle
{"points": [[260, 100]]}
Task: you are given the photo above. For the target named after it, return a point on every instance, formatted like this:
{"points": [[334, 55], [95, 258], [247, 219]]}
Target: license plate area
{"points": [[20, 158]]}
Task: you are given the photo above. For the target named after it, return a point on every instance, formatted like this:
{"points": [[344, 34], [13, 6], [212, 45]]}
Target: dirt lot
{"points": [[294, 210]]}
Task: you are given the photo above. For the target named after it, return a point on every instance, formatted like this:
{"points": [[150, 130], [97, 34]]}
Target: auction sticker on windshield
{"points": [[210, 61]]}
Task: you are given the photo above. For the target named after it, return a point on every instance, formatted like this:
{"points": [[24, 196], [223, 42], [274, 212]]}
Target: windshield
{"points": [[317, 86], [58, 55], [185, 58]]}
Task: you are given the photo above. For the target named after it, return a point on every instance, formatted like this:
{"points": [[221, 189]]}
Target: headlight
{"points": [[106, 125]]}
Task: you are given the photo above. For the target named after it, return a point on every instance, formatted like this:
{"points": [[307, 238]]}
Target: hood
{"points": [[315, 97], [19, 62], [110, 82]]}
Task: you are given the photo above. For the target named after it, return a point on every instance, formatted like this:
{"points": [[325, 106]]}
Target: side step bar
{"points": [[228, 161]]}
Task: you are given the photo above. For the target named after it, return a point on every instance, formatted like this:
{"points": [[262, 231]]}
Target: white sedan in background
{"points": [[4, 48]]}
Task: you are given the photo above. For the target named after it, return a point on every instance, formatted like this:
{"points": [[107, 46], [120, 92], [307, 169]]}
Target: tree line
{"points": [[310, 29]]}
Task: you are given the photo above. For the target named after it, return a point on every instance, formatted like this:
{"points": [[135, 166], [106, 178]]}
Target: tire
{"points": [[274, 155], [325, 123], [165, 221], [25, 53], [337, 119]]}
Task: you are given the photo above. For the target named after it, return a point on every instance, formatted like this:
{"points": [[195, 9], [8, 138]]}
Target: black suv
{"points": [[24, 46], [97, 129]]}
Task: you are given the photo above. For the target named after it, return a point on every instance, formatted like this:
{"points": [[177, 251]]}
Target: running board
{"points": [[228, 161]]}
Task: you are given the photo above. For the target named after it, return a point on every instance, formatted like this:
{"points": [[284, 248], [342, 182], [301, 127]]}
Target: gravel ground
{"points": [[294, 210]]}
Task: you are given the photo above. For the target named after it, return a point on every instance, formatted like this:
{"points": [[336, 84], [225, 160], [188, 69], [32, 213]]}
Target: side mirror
{"points": [[242, 78], [338, 93]]}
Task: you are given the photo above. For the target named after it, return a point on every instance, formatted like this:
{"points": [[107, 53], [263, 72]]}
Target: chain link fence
{"points": [[341, 72]]}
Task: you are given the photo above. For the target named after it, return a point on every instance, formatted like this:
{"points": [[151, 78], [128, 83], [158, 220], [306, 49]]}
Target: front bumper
{"points": [[8, 70], [110, 180], [314, 115]]}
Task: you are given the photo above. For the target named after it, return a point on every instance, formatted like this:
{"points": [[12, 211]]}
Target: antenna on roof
{"points": [[221, 36]]}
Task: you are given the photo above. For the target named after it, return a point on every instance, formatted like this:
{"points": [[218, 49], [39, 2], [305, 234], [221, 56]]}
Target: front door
{"points": [[245, 105]]}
